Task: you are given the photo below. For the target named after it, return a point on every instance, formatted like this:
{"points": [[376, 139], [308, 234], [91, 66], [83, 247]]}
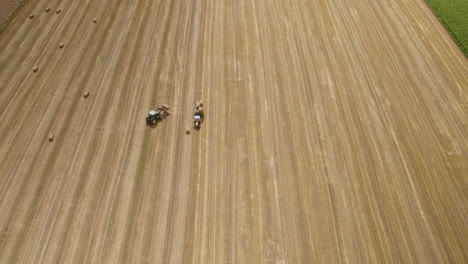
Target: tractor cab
{"points": [[157, 115], [153, 117], [198, 115], [198, 119]]}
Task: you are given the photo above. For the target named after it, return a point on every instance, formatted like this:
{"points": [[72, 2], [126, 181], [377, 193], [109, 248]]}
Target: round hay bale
{"points": [[94, 20], [165, 106], [187, 130], [61, 45], [51, 137], [31, 16], [58, 11], [35, 69], [200, 103], [47, 10], [85, 94]]}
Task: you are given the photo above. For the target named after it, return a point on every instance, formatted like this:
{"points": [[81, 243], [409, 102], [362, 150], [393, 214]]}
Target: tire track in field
{"points": [[251, 228], [17, 39], [102, 114], [288, 119], [12, 25], [211, 115], [176, 73], [85, 171], [231, 131], [203, 94], [190, 228], [27, 97], [338, 253], [241, 191], [21, 59], [67, 171], [162, 55], [148, 197], [45, 174], [303, 76], [124, 158], [249, 225], [23, 75], [183, 146], [27, 146], [110, 149], [168, 90], [267, 176], [215, 158], [24, 36]]}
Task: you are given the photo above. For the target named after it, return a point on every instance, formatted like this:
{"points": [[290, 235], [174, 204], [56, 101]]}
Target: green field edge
{"points": [[458, 40], [7, 21]]}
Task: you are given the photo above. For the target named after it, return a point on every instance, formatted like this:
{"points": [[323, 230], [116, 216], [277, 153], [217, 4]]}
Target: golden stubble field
{"points": [[335, 132]]}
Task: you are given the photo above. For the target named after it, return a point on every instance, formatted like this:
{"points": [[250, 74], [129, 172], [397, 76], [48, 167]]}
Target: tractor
{"points": [[198, 116], [157, 115]]}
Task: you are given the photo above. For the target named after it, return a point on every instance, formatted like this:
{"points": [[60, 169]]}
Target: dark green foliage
{"points": [[454, 16]]}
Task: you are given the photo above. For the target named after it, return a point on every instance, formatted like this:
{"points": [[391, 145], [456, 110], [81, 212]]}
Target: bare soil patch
{"points": [[6, 8]]}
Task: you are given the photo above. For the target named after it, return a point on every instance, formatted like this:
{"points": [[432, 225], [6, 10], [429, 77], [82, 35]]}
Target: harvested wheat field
{"points": [[335, 131]]}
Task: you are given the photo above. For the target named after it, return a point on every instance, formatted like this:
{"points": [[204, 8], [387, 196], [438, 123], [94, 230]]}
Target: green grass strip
{"points": [[4, 24], [454, 16]]}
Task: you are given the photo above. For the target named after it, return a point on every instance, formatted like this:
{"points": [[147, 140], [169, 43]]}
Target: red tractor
{"points": [[198, 115]]}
